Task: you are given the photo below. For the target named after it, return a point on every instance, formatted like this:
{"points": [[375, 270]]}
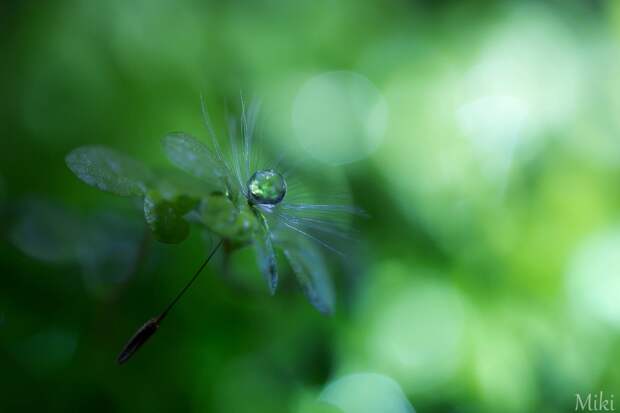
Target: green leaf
{"points": [[165, 218], [109, 170], [194, 157], [174, 182], [309, 268]]}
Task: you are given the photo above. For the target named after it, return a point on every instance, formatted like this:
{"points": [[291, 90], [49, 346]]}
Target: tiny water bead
{"points": [[266, 187]]}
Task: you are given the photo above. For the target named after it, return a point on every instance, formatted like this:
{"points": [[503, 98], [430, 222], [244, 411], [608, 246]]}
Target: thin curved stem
{"points": [[149, 328], [189, 284]]}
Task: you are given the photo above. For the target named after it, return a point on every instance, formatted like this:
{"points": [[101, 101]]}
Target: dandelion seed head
{"points": [[239, 196]]}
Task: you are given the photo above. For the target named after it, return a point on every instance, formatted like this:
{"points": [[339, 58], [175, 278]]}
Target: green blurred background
{"points": [[489, 272]]}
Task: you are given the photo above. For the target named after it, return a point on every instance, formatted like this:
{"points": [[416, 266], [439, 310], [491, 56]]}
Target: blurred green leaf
{"points": [[194, 157], [110, 252], [109, 170], [173, 182], [48, 232]]}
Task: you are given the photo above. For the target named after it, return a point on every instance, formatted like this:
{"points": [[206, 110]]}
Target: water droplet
{"points": [[266, 187]]}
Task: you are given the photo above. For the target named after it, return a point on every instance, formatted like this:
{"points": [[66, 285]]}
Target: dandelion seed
{"points": [[238, 196]]}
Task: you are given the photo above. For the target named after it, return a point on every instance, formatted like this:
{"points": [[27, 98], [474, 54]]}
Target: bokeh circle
{"points": [[339, 117]]}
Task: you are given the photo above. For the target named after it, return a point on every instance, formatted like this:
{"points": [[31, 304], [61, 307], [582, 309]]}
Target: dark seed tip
{"points": [[138, 339]]}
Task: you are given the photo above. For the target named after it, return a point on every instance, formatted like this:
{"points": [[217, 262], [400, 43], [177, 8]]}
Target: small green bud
{"points": [[165, 217], [222, 217]]}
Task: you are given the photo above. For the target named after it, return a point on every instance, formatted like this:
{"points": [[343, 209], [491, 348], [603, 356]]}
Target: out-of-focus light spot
{"points": [[446, 157], [593, 278], [512, 94], [502, 368], [533, 59], [416, 332], [339, 117], [593, 133], [366, 393], [432, 171], [493, 125]]}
